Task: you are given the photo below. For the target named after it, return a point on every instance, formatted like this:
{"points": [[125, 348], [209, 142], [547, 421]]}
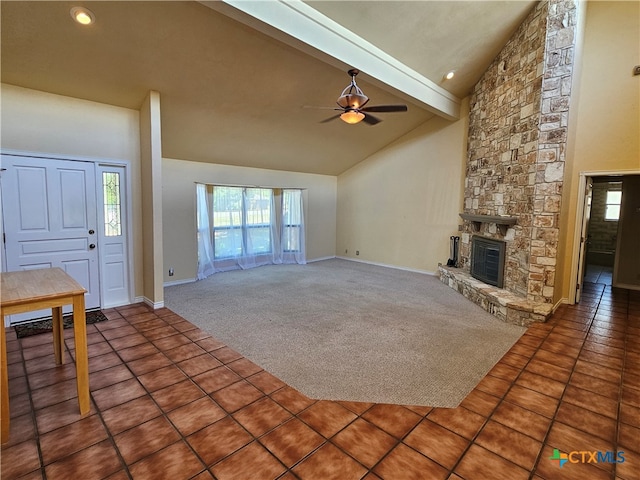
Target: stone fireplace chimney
{"points": [[516, 151], [516, 144]]}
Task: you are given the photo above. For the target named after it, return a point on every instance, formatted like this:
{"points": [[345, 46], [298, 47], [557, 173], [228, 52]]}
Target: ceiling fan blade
{"points": [[385, 108], [370, 119], [321, 108], [331, 118]]}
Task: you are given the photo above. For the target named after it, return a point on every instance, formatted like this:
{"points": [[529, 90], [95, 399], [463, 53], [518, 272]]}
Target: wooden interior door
{"points": [[582, 258]]}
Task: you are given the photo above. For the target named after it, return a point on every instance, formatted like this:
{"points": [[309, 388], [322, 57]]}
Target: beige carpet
{"points": [[344, 330]]}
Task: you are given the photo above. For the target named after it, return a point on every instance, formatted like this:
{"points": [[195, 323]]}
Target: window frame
{"points": [[609, 203], [244, 226]]}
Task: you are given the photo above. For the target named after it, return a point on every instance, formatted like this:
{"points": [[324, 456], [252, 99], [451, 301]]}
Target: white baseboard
{"points": [[179, 282], [154, 305], [628, 286], [406, 269], [121, 304], [563, 300], [321, 259]]}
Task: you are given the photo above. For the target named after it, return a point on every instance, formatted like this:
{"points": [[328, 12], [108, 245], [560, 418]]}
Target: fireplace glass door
{"points": [[487, 260]]}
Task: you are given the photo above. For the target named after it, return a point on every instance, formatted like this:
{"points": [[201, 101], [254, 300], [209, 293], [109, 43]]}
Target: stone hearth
{"points": [[506, 306]]}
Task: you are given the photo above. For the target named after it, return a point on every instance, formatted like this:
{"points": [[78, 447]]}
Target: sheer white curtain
{"points": [[205, 246], [258, 228], [227, 227], [292, 232]]}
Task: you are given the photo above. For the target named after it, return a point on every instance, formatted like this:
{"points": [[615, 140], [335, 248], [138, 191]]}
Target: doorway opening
{"points": [[602, 229], [609, 222]]}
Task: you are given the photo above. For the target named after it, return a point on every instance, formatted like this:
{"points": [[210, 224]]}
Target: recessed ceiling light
{"points": [[450, 75], [82, 15]]}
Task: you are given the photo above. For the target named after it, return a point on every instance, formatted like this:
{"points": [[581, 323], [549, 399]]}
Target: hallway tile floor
{"points": [[598, 274], [169, 401]]}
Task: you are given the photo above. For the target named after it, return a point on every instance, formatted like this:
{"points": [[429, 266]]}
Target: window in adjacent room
{"points": [[613, 201]]}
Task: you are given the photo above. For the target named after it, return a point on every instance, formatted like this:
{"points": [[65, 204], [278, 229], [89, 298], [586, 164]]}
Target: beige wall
{"points": [[605, 131], [400, 206], [179, 195], [39, 122], [35, 121]]}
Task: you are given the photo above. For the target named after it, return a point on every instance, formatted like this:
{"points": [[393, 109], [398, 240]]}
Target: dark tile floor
{"points": [[171, 402], [598, 274]]}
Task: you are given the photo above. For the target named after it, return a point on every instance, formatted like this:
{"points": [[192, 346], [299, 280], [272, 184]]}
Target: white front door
{"points": [[50, 220]]}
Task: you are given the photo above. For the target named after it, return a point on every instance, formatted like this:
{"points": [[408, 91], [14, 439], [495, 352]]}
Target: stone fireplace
{"points": [[515, 164]]}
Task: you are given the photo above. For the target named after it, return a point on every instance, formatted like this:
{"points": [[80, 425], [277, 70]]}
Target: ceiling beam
{"points": [[301, 26]]}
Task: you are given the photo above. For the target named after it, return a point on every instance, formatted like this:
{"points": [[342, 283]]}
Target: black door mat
{"points": [[46, 325]]}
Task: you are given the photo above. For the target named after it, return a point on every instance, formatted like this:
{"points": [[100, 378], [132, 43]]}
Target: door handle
{"points": [[92, 246], [92, 231]]}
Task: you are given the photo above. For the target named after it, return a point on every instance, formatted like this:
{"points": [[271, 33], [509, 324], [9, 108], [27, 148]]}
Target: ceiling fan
{"points": [[352, 103]]}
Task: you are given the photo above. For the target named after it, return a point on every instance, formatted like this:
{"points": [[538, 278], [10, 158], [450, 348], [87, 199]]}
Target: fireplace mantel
{"points": [[502, 221]]}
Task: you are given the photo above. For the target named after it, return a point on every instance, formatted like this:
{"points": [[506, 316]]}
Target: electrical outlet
{"points": [[171, 272], [346, 251], [357, 252]]}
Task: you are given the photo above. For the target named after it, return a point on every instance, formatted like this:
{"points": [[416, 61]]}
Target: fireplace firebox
{"points": [[487, 260]]}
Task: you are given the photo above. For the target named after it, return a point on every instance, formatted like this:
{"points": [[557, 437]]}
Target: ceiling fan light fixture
{"points": [[82, 15], [352, 97], [352, 117], [352, 100]]}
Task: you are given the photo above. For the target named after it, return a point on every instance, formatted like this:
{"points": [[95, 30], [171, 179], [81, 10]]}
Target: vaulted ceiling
{"points": [[233, 89]]}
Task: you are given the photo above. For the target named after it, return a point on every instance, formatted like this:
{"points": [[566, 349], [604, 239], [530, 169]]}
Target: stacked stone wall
{"points": [[516, 147]]}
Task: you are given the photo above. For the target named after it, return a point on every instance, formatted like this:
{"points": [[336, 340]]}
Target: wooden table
{"points": [[30, 290]]}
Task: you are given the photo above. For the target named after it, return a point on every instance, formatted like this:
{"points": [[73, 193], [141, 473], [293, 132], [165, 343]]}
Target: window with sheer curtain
{"points": [[245, 227]]}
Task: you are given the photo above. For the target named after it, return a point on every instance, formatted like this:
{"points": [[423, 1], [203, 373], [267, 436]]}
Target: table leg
{"points": [[4, 385], [58, 335], [82, 361]]}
